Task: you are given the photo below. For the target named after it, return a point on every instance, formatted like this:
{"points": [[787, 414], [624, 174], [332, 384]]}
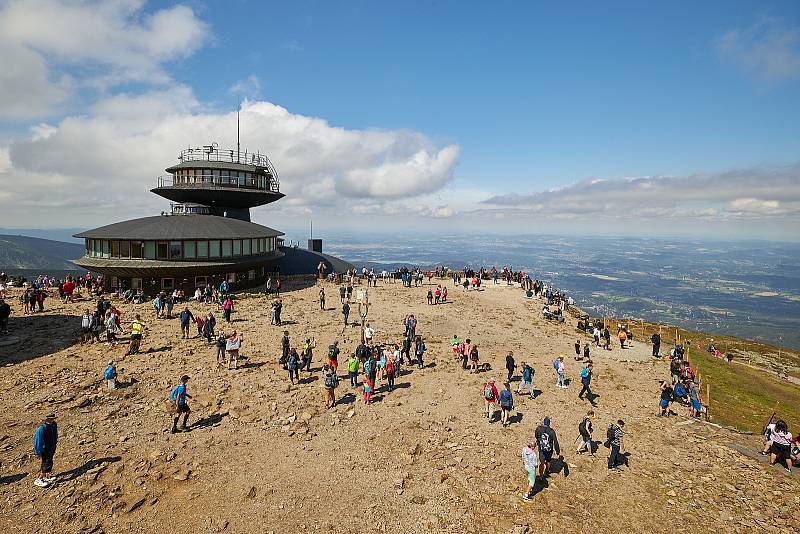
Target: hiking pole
{"points": [[764, 431]]}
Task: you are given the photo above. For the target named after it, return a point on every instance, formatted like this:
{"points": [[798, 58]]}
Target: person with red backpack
{"points": [[490, 396]]}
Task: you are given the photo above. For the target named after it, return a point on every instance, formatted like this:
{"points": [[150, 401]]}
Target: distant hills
{"points": [[23, 252]]}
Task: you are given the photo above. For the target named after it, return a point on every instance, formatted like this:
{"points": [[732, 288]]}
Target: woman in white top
{"points": [[781, 448]]}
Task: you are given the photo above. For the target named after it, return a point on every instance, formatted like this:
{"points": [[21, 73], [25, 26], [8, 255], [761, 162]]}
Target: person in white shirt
{"points": [[368, 334]]}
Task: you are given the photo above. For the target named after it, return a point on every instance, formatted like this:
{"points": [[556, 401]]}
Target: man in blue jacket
{"points": [[44, 446], [586, 380], [179, 396]]}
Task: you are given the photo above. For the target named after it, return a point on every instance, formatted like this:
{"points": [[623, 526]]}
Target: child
{"points": [[560, 370], [530, 461], [352, 370], [232, 346], [367, 390], [110, 375], [506, 404], [666, 397]]}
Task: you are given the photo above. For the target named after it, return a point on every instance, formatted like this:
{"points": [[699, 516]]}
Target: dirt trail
{"points": [[265, 457]]}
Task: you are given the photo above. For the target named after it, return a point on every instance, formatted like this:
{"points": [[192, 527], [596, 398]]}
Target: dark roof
{"points": [[302, 261], [175, 227]]}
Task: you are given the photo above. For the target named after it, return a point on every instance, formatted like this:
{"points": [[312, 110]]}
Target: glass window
{"points": [[246, 247], [115, 249], [105, 248], [124, 249], [150, 250], [189, 249], [136, 249], [200, 281], [262, 245], [162, 250], [213, 248], [226, 248], [175, 250], [237, 247], [202, 249], [167, 283], [226, 176]]}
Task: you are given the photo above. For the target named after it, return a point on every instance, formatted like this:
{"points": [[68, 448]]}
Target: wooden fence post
{"points": [[708, 401]]}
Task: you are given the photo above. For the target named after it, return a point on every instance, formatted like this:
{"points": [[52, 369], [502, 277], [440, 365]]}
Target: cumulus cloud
{"points": [[105, 162], [767, 48], [758, 192], [51, 48]]}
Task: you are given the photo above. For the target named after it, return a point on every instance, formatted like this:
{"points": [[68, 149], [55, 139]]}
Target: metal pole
{"points": [[238, 146]]}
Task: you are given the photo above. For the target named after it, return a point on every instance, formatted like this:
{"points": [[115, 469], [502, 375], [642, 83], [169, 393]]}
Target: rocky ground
{"points": [[266, 457]]}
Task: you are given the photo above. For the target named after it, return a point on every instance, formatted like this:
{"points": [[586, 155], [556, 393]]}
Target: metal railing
{"points": [[209, 181], [213, 153]]}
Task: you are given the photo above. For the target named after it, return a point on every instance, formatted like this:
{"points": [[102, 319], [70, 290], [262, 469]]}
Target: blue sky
{"points": [[468, 103]]}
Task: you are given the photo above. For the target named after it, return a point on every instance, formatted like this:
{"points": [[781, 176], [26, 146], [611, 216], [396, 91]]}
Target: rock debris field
{"points": [[263, 456]]}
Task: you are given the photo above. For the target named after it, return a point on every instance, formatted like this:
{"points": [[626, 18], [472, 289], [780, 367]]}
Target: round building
{"points": [[205, 238]]}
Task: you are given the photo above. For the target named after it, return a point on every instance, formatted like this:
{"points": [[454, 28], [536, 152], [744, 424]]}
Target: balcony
{"points": [[251, 182]]}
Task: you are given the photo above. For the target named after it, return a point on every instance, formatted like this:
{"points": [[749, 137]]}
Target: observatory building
{"points": [[206, 237]]}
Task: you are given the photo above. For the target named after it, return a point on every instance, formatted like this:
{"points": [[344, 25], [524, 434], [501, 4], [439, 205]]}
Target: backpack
{"points": [[611, 433], [330, 380], [488, 393], [555, 364], [584, 372]]}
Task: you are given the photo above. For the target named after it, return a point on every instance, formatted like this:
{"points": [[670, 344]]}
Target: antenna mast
{"points": [[238, 147]]}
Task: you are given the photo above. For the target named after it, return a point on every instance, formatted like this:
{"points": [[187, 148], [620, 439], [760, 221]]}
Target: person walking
{"points": [[342, 293], [308, 354], [352, 369], [547, 441], [527, 379], [656, 340], [586, 379], [585, 431], [490, 398], [623, 337], [617, 444], [530, 462], [510, 365], [473, 359], [322, 298], [110, 375], [406, 347], [329, 382], [292, 366], [333, 355], [560, 371], [179, 396], [586, 351], [506, 404], [232, 346], [186, 318], [219, 345], [45, 440], [137, 330], [389, 369], [345, 312], [227, 309], [466, 349], [577, 347], [419, 350]]}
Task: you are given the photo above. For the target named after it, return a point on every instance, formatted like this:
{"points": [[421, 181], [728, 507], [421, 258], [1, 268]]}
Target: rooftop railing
{"points": [[213, 153], [209, 181]]}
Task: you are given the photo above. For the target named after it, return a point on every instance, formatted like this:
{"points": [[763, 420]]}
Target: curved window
{"points": [[213, 248], [189, 249], [246, 247], [237, 247], [227, 248]]}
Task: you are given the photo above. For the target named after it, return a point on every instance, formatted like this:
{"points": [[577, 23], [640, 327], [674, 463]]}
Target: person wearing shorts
{"points": [[530, 461], [179, 396], [781, 449], [44, 446]]}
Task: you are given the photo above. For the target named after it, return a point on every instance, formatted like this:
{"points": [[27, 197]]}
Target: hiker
{"points": [[352, 369], [419, 350], [232, 346], [308, 354], [367, 384], [577, 348], [623, 337], [548, 443], [329, 382], [368, 334], [219, 345], [110, 375], [342, 293], [586, 379], [656, 340], [186, 317], [585, 431], [322, 298], [406, 347], [466, 349], [430, 297], [558, 365], [506, 404], [112, 325], [284, 347], [5, 313], [473, 359], [398, 359], [292, 365], [333, 355], [666, 397], [44, 446], [389, 369], [530, 461], [527, 379], [490, 398], [345, 312], [586, 351], [510, 365], [227, 309], [86, 327], [781, 449], [137, 330], [695, 407], [615, 436], [208, 327], [179, 396]]}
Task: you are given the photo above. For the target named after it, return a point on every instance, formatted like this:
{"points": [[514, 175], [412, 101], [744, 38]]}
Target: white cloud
{"points": [[760, 192], [103, 164], [51, 48], [249, 87], [767, 48]]}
